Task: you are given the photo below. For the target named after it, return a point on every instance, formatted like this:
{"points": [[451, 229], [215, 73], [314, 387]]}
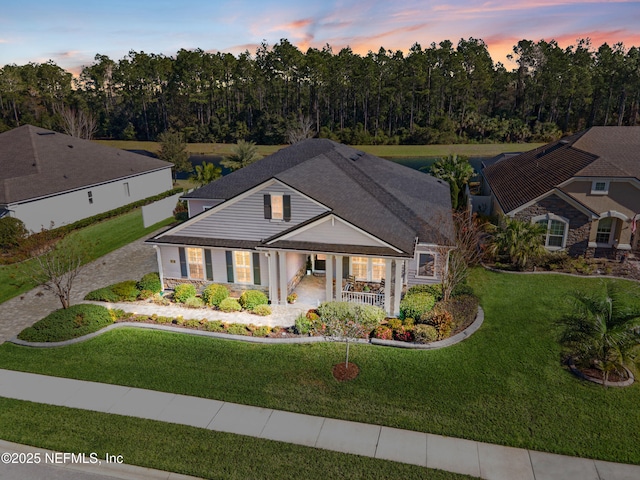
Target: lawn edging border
{"points": [[625, 383], [265, 340]]}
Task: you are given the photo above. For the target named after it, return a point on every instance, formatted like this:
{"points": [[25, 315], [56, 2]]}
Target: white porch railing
{"points": [[376, 299]]}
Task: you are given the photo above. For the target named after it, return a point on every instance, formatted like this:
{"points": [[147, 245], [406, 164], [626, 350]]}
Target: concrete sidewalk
{"points": [[492, 462]]}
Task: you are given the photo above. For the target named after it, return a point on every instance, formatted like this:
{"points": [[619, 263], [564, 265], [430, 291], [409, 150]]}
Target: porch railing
{"points": [[376, 299]]}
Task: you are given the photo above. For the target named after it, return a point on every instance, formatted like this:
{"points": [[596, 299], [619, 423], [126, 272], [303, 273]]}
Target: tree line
{"points": [[444, 93]]}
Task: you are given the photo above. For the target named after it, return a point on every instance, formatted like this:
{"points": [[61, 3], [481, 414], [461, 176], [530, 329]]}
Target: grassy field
{"points": [[387, 151], [105, 237], [188, 450], [504, 385]]}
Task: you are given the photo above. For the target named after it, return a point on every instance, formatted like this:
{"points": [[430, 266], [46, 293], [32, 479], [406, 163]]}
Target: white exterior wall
{"points": [[198, 206], [72, 206], [412, 266]]}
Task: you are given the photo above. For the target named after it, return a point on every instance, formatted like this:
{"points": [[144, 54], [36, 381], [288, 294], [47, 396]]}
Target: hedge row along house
{"points": [[48, 179], [584, 188], [316, 205]]}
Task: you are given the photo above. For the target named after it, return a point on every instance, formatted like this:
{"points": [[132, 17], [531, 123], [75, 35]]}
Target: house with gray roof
{"points": [[48, 179], [345, 212], [585, 188]]}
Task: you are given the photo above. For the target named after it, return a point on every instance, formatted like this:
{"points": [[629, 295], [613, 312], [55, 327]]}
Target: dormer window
{"points": [[277, 207], [599, 187]]}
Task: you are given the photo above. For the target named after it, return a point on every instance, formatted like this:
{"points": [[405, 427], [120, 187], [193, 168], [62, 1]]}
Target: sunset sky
{"points": [[72, 32]]}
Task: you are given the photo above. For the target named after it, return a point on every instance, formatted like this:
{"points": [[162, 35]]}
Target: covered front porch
{"points": [[360, 279]]}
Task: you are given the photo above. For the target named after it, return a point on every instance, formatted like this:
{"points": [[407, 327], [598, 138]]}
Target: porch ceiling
{"points": [[335, 248]]}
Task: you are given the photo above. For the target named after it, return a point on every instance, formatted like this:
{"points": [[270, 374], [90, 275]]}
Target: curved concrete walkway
{"points": [[483, 460]]}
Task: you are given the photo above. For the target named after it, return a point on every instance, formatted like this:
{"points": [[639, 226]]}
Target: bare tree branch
{"points": [[77, 123]]}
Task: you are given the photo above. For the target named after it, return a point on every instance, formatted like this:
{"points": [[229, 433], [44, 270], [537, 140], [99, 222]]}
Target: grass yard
{"points": [[188, 450], [504, 385], [387, 151], [105, 237]]}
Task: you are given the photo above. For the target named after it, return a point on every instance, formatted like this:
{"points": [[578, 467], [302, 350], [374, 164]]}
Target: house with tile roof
{"points": [[319, 203], [584, 188], [48, 179]]}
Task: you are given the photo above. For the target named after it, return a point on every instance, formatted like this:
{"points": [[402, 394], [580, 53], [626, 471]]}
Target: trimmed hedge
{"points": [[213, 294], [416, 305], [127, 291], [65, 324], [151, 282], [368, 314], [230, 305], [250, 299], [183, 292], [262, 310]]}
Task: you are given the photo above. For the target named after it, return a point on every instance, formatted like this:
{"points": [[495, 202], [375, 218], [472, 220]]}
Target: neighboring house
{"points": [[345, 211], [48, 179], [584, 188]]}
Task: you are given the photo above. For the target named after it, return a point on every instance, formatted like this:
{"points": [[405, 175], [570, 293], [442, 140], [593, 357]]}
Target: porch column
{"points": [[273, 278], [338, 278], [159, 260], [329, 278], [282, 270], [387, 285], [398, 287]]}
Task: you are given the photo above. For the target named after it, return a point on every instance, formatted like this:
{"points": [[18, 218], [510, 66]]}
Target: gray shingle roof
{"points": [[610, 152], [35, 162], [392, 202]]}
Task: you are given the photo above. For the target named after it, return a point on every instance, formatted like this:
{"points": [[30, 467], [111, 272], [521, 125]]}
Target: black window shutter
{"points": [[256, 268], [229, 257], [183, 263], [345, 267], [267, 206], [286, 201], [208, 264]]}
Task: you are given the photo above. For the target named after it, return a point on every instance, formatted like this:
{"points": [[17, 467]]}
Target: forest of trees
{"points": [[445, 93]]}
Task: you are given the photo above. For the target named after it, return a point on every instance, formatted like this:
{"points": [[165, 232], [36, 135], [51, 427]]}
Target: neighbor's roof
{"points": [[35, 162], [394, 203], [610, 152]]}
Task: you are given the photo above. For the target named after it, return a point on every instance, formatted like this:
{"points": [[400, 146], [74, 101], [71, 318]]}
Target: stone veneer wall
{"points": [[235, 289], [579, 223], [293, 283]]}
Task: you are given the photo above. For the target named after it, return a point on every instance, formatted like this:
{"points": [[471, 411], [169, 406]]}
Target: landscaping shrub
{"points": [[403, 334], [230, 305], [192, 323], [250, 299], [183, 292], [126, 291], [12, 232], [194, 302], [262, 310], [343, 310], [383, 332], [463, 308], [102, 295], [64, 324], [304, 324], [117, 314], [162, 320], [442, 320], [425, 333], [416, 305], [262, 331], [462, 289], [394, 323], [433, 289], [213, 294], [237, 329], [145, 294], [151, 282], [214, 326], [313, 315]]}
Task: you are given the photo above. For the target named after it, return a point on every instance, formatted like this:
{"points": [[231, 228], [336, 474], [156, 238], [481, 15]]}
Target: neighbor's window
{"points": [[126, 189], [277, 207], [242, 262], [90, 195], [426, 265], [603, 235], [194, 260]]}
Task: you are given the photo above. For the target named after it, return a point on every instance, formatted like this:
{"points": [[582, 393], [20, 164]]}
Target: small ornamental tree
{"points": [[355, 323]]}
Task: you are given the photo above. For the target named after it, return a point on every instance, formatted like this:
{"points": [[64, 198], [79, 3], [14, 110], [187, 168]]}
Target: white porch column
{"points": [[398, 287], [329, 278], [387, 285], [159, 260], [273, 277], [282, 270], [338, 278]]}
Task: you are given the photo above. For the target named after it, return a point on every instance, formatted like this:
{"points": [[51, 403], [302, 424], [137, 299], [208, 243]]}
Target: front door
{"points": [[320, 263]]}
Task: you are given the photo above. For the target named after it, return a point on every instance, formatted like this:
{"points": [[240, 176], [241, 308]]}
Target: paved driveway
{"points": [[127, 263]]}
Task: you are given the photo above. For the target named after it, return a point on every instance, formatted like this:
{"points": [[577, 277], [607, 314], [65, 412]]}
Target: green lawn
{"points": [[105, 237], [387, 151], [505, 384], [188, 450]]}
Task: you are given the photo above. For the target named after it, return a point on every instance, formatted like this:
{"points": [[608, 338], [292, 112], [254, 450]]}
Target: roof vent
{"points": [[70, 146], [46, 133], [65, 175]]}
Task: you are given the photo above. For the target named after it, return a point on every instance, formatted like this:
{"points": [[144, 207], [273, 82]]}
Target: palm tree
{"points": [[520, 240], [456, 171], [205, 173], [604, 330], [243, 154]]}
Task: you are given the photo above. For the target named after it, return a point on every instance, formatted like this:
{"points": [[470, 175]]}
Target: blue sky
{"points": [[72, 32]]}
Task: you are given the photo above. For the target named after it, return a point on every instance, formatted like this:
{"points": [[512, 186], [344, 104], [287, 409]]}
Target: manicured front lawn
{"points": [[104, 236], [505, 384], [187, 450]]}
